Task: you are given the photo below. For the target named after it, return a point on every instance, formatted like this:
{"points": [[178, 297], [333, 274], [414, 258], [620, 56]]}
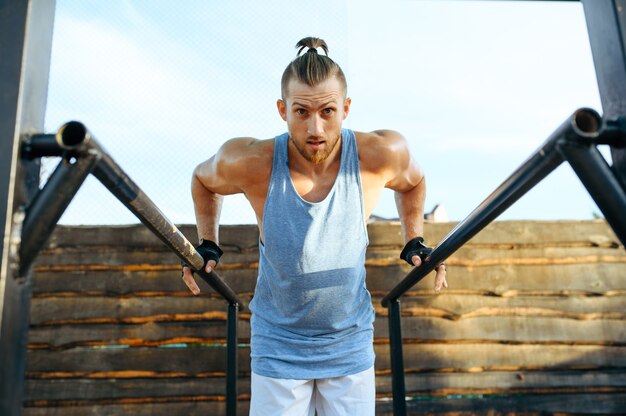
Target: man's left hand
{"points": [[440, 277]]}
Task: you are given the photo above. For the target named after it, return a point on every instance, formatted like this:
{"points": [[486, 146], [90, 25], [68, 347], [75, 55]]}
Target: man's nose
{"points": [[315, 127]]}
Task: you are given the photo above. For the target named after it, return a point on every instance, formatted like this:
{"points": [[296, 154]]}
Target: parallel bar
{"points": [[397, 360], [583, 123], [120, 184], [76, 140], [231, 359], [49, 204], [601, 183]]}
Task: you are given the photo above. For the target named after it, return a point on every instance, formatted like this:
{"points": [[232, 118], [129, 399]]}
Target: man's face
{"points": [[314, 116]]}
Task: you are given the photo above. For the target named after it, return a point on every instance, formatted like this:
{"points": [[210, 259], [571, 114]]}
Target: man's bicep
{"points": [[406, 178]]}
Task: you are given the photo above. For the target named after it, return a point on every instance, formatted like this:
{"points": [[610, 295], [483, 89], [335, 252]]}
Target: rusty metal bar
{"points": [[74, 138]]}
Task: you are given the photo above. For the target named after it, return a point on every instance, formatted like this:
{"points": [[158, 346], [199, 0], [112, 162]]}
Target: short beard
{"points": [[318, 156]]}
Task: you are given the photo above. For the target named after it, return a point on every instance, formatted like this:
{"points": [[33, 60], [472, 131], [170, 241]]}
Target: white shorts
{"points": [[338, 396]]}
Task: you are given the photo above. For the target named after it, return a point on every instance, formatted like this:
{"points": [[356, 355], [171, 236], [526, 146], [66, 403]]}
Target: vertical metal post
{"points": [[231, 359], [397, 360], [606, 24], [25, 47]]}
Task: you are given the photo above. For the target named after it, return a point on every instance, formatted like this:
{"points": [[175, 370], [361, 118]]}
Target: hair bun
{"points": [[312, 43]]}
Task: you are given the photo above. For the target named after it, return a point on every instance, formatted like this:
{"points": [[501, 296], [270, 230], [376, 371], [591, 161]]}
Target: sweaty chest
{"points": [[313, 189]]}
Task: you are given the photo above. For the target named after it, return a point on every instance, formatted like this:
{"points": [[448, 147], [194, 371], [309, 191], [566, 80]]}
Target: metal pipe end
{"points": [[72, 135], [587, 122]]}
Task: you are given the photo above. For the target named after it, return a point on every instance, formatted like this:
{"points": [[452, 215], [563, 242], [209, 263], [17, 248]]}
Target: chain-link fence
{"points": [[474, 86]]}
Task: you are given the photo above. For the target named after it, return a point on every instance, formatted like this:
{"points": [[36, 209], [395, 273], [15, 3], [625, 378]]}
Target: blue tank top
{"points": [[312, 316]]}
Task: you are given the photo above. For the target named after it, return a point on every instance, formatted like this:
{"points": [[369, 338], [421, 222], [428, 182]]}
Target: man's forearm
{"points": [[207, 206], [410, 206]]}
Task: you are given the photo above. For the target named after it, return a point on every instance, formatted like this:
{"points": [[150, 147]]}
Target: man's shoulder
{"points": [[378, 149], [248, 144], [244, 160], [247, 149], [382, 138]]}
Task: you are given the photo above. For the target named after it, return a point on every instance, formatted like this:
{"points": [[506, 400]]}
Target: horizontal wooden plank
{"points": [[63, 310], [504, 382], [468, 255], [59, 310], [137, 235], [492, 357], [189, 362], [148, 334], [457, 307], [123, 282], [186, 406], [90, 389], [531, 232], [511, 280], [507, 330], [132, 362], [502, 280], [528, 405], [596, 232]]}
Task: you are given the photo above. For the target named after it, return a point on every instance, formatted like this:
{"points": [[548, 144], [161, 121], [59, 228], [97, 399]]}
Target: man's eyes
{"points": [[326, 111]]}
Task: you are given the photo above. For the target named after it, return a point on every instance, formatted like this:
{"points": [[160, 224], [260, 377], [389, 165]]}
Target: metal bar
{"points": [[584, 123], [120, 184], [41, 145], [231, 359], [74, 139], [397, 360], [49, 204], [25, 46], [601, 183], [606, 25]]}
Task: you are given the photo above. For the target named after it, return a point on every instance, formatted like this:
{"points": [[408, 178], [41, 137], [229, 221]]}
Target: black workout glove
{"points": [[415, 247], [209, 251]]}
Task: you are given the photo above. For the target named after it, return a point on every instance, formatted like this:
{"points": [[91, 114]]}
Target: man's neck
{"points": [[300, 164]]}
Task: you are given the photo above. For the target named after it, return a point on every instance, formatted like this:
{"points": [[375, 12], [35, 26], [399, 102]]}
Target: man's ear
{"points": [[282, 109], [346, 107]]}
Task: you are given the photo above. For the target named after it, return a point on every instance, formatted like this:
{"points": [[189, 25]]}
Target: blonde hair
{"points": [[310, 67]]}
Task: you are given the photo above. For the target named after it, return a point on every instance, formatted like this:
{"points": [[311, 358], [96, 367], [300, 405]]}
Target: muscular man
{"points": [[312, 189]]}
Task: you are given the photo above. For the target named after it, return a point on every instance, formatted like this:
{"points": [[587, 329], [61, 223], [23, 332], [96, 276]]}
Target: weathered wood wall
{"points": [[533, 322]]}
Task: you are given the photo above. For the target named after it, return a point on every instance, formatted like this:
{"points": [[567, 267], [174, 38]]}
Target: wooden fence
{"points": [[533, 322]]}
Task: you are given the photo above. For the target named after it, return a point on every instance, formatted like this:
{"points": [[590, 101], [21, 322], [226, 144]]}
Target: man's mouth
{"points": [[316, 144]]}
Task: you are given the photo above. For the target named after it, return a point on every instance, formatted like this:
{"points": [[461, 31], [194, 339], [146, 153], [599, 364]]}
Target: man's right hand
{"points": [[190, 281], [211, 254]]}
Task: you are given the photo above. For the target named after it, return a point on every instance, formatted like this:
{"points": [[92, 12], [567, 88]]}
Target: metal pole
{"points": [[606, 24], [76, 140], [397, 359], [25, 47], [583, 123], [231, 359], [601, 183], [49, 204]]}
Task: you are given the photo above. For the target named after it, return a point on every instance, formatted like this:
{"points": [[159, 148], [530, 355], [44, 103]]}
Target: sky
{"points": [[474, 86]]}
